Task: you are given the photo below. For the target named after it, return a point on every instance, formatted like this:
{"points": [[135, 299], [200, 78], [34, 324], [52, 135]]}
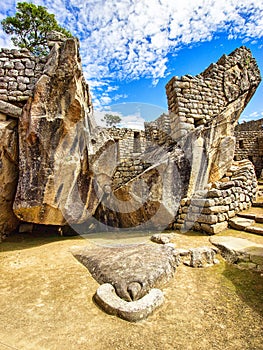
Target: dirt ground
{"points": [[46, 302]]}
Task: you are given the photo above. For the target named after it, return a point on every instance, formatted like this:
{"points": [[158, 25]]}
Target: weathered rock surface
{"points": [[256, 217], [9, 109], [213, 143], [150, 200], [132, 311], [241, 252], [200, 257], [161, 238], [8, 176], [133, 270], [204, 111], [66, 163], [241, 223], [56, 179]]}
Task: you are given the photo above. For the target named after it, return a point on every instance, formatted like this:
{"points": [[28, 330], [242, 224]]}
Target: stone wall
{"points": [[127, 170], [194, 101], [210, 210], [158, 131], [253, 125], [249, 143], [130, 143], [58, 156], [19, 71]]}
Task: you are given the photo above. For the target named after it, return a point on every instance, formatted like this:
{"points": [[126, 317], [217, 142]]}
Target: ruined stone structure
{"points": [[210, 210], [199, 143], [47, 100], [58, 167], [195, 101], [158, 131], [214, 99], [130, 143], [19, 71], [249, 143]]}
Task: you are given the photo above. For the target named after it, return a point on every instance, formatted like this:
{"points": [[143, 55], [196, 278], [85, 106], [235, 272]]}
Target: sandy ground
{"points": [[46, 302]]}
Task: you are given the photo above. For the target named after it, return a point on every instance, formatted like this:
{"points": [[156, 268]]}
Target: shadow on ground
{"points": [[248, 285], [20, 241]]}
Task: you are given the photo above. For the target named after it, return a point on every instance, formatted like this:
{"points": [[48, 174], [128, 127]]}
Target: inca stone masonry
{"points": [[193, 168]]}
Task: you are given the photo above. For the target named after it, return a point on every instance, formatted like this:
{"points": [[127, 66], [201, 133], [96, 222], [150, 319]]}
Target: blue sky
{"points": [[130, 49]]}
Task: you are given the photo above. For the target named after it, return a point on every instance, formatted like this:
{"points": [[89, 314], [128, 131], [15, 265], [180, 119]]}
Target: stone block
{"points": [[29, 72], [22, 87], [9, 64], [133, 311], [216, 209], [215, 228], [10, 109], [12, 73], [202, 202], [214, 193], [231, 214], [23, 80], [208, 219], [19, 65]]}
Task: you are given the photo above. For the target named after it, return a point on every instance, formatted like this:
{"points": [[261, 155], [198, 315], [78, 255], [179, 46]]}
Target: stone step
{"points": [[239, 223], [257, 204], [257, 217], [245, 224], [255, 229], [243, 253]]}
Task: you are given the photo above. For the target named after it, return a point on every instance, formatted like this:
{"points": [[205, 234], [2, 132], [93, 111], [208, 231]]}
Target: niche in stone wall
{"points": [[241, 143], [136, 142]]}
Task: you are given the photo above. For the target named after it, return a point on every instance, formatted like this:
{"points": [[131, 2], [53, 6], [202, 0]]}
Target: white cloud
{"points": [[118, 96], [7, 8], [129, 39], [132, 122], [252, 116]]}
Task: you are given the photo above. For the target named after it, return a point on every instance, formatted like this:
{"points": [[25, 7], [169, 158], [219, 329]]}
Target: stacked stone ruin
{"points": [[210, 210], [130, 143], [19, 71], [67, 168], [158, 131], [195, 100], [249, 143]]}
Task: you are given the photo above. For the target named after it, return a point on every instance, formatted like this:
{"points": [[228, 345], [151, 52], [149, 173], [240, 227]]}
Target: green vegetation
{"points": [[111, 120], [30, 27]]}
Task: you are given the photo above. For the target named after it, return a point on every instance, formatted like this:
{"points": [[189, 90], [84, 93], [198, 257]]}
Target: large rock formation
{"points": [[133, 270], [205, 110], [8, 176], [151, 199], [197, 153], [56, 178], [67, 163]]}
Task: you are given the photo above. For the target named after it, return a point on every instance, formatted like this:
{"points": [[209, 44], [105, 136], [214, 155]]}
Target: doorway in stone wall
{"points": [[136, 142]]}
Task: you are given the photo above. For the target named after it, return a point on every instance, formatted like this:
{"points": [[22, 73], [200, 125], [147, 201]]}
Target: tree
{"points": [[111, 120], [31, 26]]}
